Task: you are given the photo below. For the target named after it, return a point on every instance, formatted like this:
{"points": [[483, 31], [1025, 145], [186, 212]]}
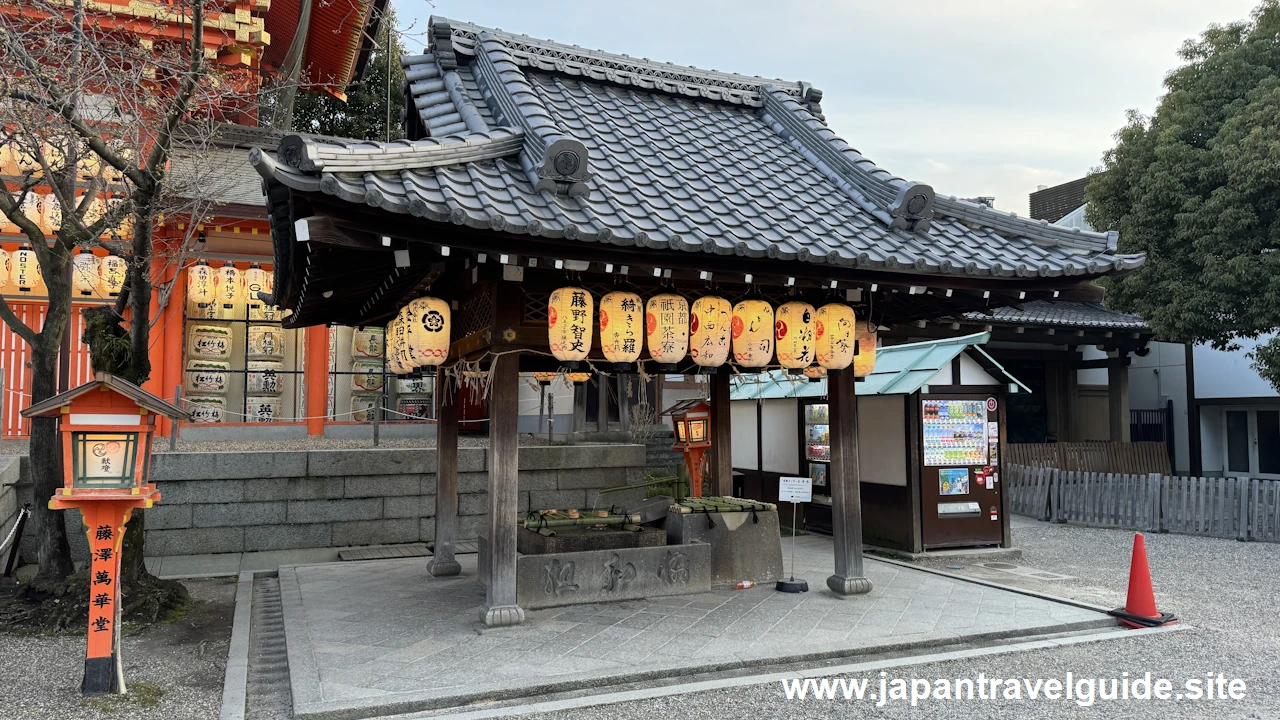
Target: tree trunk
{"points": [[45, 449], [140, 300]]}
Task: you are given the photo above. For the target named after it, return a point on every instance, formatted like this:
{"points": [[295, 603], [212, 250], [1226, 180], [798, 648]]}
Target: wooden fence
{"points": [[1240, 508], [1095, 457]]}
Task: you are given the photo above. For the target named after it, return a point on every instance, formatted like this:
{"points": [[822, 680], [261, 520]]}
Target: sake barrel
{"points": [[367, 342], [263, 377], [415, 386], [259, 311], [364, 407], [206, 408], [209, 342], [413, 406], [263, 408], [367, 376], [266, 342], [207, 377]]}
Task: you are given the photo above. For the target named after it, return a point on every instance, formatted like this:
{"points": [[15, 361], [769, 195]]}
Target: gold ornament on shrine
{"points": [[84, 274], [428, 332], [112, 270], [569, 312], [793, 329], [709, 331], [667, 327], [200, 283], [621, 328], [835, 328], [752, 333], [25, 274], [865, 361]]}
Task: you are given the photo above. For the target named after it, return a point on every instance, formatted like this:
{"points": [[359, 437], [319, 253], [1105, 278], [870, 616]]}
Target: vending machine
{"points": [[960, 474]]}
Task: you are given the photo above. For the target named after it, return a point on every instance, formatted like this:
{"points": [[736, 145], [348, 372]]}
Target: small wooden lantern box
{"points": [[106, 427], [692, 419]]}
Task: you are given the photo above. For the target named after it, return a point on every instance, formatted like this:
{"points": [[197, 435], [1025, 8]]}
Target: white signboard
{"points": [[795, 489]]}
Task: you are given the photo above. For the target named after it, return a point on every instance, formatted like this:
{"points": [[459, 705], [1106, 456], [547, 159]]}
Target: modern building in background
{"points": [[1225, 417]]}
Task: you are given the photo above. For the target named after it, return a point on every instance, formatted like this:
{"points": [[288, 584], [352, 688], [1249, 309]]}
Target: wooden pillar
{"points": [[602, 403], [504, 478], [846, 498], [1071, 391], [721, 436], [1118, 397], [443, 563], [174, 348], [315, 378]]}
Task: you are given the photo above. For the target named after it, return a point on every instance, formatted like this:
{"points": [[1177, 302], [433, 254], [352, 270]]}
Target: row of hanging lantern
{"points": [[828, 338], [91, 275], [226, 285]]}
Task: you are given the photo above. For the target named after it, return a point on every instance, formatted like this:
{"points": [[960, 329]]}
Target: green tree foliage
{"points": [[364, 114], [1196, 186]]}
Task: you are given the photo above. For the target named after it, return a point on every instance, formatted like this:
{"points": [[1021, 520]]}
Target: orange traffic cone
{"points": [[1139, 609]]}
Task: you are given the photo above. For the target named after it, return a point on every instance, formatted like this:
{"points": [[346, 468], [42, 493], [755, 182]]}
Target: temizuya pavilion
{"points": [[531, 165]]}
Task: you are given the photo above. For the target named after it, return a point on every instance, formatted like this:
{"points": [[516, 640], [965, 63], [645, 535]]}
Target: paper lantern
{"points": [[667, 326], [709, 331], [569, 312], [113, 269], [228, 287], [793, 327], [835, 328], [865, 361], [25, 274], [200, 283], [428, 331], [752, 333], [256, 280], [5, 268], [621, 328], [578, 378], [84, 274], [397, 337]]}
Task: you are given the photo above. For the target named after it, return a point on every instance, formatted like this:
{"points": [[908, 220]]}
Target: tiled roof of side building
{"points": [[1053, 204], [533, 137], [1064, 314]]}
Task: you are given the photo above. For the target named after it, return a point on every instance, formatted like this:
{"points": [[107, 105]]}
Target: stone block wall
{"points": [[255, 501]]}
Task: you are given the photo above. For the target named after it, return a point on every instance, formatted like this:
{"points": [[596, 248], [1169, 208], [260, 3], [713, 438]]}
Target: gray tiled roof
{"points": [[533, 137], [1064, 314]]}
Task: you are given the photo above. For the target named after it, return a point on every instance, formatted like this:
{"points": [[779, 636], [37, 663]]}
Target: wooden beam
{"points": [[443, 563], [721, 436], [846, 497], [501, 608], [1118, 398]]}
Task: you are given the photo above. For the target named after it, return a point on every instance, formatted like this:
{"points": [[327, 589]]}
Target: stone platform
{"points": [[744, 545], [376, 638]]}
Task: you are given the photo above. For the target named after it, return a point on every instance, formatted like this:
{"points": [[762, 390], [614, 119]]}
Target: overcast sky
{"points": [[984, 97]]}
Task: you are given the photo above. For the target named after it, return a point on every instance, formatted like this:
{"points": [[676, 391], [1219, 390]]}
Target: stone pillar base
{"points": [[502, 615], [443, 568], [849, 585]]}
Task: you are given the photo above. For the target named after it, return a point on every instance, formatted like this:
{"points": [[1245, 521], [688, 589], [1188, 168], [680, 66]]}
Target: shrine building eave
{"points": [[534, 149]]}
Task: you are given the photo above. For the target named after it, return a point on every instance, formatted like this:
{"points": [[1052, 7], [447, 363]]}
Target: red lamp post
{"points": [[692, 419], [106, 427]]}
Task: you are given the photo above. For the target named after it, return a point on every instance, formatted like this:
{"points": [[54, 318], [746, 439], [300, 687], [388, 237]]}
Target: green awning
{"points": [[900, 370]]}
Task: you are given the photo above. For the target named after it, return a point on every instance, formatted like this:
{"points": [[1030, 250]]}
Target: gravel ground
{"points": [[1225, 589], [173, 671]]}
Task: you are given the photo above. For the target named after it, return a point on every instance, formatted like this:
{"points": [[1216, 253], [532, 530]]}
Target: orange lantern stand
{"points": [[106, 427], [692, 419]]}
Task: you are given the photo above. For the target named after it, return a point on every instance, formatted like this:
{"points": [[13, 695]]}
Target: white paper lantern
{"points": [[864, 363], [621, 327], [569, 313], [200, 284], [709, 331], [793, 328], [256, 280], [428, 331], [229, 290], [84, 274], [25, 274], [753, 333], [835, 329], [397, 338], [113, 271], [667, 326]]}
